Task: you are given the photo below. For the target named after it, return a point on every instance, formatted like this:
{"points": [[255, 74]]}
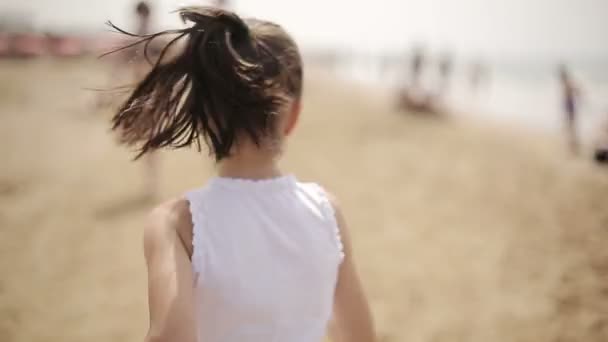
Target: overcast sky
{"points": [[527, 29]]}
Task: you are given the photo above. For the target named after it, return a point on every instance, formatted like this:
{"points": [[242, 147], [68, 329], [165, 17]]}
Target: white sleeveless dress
{"points": [[265, 256]]}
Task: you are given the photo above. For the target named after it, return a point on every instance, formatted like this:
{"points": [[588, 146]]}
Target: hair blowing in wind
{"points": [[229, 81]]}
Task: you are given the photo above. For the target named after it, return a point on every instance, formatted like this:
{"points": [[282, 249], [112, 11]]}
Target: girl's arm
{"points": [[170, 276], [352, 320]]}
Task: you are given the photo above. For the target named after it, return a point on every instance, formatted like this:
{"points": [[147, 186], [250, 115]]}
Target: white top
{"points": [[266, 255]]}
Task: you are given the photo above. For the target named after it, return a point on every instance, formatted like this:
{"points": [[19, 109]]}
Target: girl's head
{"points": [[233, 82]]}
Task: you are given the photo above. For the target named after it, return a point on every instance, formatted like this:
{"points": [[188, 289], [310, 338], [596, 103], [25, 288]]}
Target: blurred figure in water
{"points": [[414, 98], [445, 72], [416, 66], [478, 76], [570, 94]]}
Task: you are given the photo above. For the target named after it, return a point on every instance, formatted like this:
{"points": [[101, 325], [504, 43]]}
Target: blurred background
{"points": [[474, 132]]}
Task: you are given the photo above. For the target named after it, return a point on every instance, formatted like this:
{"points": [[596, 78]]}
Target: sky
{"points": [[522, 29]]}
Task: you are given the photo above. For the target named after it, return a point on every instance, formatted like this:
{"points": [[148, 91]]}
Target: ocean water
{"points": [[524, 95]]}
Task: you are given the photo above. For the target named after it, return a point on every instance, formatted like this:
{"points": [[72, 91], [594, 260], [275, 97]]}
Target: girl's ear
{"points": [[294, 115]]}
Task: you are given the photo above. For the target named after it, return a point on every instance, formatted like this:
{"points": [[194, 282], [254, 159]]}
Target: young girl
{"points": [[255, 255]]}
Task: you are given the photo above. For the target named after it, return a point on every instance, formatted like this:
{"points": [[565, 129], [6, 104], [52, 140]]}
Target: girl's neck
{"points": [[250, 164]]}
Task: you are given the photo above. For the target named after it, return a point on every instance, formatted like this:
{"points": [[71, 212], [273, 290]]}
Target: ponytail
{"points": [[223, 85]]}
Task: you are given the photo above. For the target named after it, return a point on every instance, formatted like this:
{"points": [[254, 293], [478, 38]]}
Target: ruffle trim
{"points": [[330, 213], [263, 184], [198, 226]]}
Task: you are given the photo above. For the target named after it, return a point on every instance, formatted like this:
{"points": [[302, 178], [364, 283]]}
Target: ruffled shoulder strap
{"points": [[196, 199], [330, 215]]}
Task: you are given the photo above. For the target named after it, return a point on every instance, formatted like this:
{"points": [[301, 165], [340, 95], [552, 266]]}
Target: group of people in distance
{"points": [[413, 98], [418, 99]]}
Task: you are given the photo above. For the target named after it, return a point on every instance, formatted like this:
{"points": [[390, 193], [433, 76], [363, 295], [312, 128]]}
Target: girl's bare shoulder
{"points": [[168, 223]]}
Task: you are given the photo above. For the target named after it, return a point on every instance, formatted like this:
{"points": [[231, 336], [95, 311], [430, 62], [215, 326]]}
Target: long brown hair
{"points": [[231, 79]]}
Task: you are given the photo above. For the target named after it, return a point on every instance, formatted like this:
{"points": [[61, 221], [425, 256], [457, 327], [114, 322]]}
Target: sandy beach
{"points": [[462, 232]]}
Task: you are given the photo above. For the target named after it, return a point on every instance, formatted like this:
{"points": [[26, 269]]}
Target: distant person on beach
{"points": [[445, 73], [570, 94], [600, 153], [143, 11], [141, 67], [416, 66], [142, 15], [130, 64], [478, 76], [255, 255], [413, 98], [137, 64]]}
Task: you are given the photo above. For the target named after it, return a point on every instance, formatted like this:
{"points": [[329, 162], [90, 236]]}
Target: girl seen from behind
{"points": [[255, 254]]}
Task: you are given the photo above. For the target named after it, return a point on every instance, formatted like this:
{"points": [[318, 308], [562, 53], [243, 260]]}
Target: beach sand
{"points": [[462, 232]]}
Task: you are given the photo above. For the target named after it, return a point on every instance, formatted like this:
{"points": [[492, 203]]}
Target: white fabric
{"points": [[266, 256]]}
